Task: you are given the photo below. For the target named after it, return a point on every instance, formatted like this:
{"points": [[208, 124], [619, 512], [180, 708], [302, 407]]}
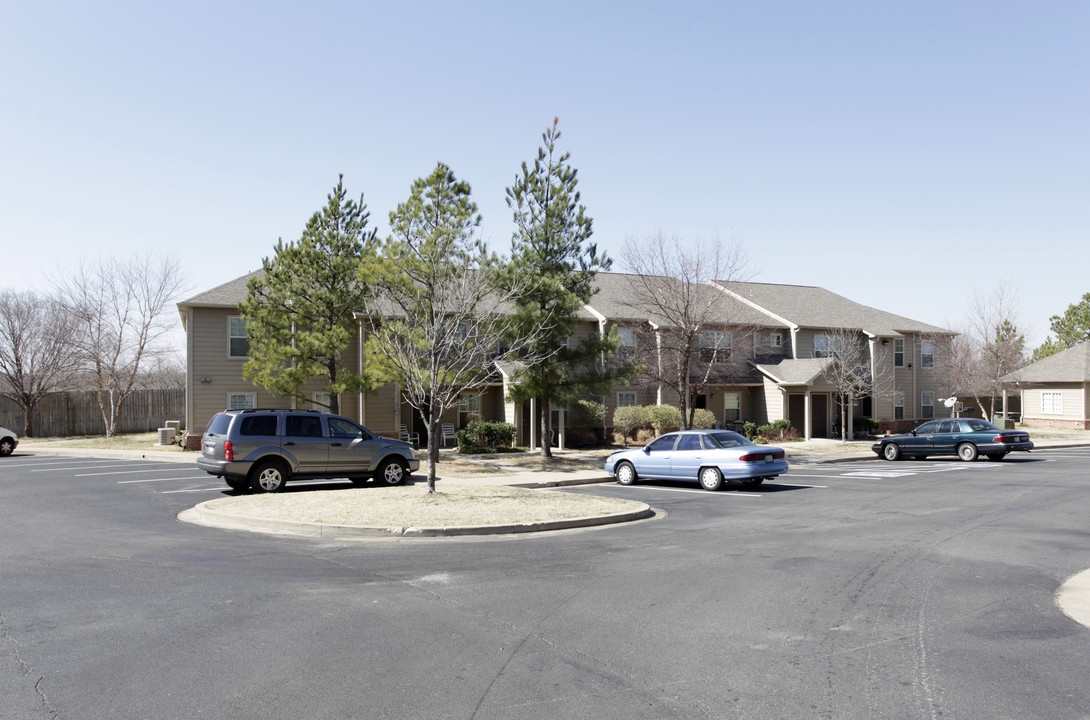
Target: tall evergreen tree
{"points": [[299, 313], [551, 248], [1071, 328]]}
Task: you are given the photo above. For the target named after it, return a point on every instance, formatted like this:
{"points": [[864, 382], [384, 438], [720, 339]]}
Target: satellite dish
{"points": [[950, 401]]}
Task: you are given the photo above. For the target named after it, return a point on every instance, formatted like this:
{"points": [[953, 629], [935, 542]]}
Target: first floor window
{"points": [[732, 407], [1052, 403], [322, 401], [927, 405], [626, 399], [240, 401], [468, 405], [898, 406], [237, 344]]}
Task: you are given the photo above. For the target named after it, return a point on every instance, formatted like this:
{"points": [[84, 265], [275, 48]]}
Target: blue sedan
{"points": [[709, 457], [967, 438]]}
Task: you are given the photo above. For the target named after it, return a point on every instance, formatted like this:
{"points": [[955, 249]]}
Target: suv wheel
{"points": [[391, 472], [268, 477]]}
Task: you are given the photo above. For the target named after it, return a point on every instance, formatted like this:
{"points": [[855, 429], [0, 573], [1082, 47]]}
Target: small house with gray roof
{"points": [[1055, 391]]}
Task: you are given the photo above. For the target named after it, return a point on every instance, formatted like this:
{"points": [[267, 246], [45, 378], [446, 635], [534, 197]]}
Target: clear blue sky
{"points": [[901, 154]]}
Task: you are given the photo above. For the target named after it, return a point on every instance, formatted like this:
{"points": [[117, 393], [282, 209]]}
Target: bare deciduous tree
{"points": [[689, 342], [119, 309], [855, 373], [36, 354]]}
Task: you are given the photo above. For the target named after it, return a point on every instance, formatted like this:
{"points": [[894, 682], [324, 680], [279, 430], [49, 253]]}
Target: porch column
{"points": [[533, 425], [807, 429]]}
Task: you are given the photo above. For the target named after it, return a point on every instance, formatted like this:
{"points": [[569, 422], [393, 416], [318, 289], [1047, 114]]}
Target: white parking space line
{"points": [[218, 488], [694, 491], [88, 467], [151, 480], [120, 472], [813, 475], [802, 486]]}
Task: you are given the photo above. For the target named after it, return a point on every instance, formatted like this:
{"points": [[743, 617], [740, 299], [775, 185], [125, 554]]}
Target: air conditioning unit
{"points": [[166, 436]]}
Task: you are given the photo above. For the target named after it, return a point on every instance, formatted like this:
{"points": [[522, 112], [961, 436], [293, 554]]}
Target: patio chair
{"points": [[449, 434], [412, 438]]}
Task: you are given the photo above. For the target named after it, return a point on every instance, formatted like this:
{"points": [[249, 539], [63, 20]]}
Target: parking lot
{"points": [[845, 590]]}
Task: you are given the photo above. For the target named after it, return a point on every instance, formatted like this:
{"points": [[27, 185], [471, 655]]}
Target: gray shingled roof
{"points": [[618, 299], [229, 294], [815, 307], [796, 372], [1071, 366]]}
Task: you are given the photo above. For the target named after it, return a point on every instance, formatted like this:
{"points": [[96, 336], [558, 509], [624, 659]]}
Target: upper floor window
{"points": [[715, 346], [927, 354], [898, 352], [775, 340], [628, 337], [827, 346], [237, 344]]}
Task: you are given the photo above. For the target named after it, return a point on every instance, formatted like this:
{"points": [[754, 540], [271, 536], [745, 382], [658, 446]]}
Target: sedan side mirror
{"points": [[646, 450]]}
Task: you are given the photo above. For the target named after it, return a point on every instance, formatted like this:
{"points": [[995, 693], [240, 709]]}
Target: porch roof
{"points": [[795, 372]]}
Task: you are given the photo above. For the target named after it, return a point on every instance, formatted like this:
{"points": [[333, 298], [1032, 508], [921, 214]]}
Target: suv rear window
{"points": [[219, 424], [258, 425]]}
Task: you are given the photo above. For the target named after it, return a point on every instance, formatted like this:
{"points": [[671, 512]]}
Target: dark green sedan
{"points": [[966, 438]]}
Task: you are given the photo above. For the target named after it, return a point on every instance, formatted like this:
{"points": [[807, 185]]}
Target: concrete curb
{"points": [[202, 515], [1073, 597]]}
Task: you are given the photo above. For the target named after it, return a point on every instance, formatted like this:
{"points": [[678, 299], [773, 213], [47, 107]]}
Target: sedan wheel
{"points": [[711, 478], [967, 452], [892, 451], [626, 474], [996, 457], [7, 447]]}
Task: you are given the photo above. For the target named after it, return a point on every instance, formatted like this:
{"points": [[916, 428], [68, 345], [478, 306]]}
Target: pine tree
{"points": [[299, 312], [551, 250]]}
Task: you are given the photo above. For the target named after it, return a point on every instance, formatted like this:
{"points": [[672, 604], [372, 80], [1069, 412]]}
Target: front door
{"points": [[819, 416], [306, 442]]}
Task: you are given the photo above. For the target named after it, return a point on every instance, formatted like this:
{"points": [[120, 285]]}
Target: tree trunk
{"points": [[546, 427], [433, 452]]}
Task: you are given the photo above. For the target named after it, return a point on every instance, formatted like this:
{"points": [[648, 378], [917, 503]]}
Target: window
{"points": [[341, 428], [1052, 403], [927, 354], [237, 344], [628, 338], [322, 401], [732, 407], [240, 401], [898, 406], [714, 346], [927, 405], [626, 399], [666, 442], [775, 340], [303, 426], [827, 346], [689, 442], [258, 425], [468, 405], [898, 352]]}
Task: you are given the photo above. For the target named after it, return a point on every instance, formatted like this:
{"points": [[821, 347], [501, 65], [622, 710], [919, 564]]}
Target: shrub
{"points": [[664, 418], [645, 435], [703, 419], [749, 429], [868, 426], [630, 418], [585, 422], [479, 437]]}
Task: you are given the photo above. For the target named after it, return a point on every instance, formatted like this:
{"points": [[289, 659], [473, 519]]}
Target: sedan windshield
{"points": [[728, 439]]}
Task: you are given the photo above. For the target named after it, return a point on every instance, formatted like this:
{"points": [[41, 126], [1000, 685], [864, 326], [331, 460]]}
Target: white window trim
{"points": [[635, 399], [230, 337], [775, 340], [252, 396], [1055, 404], [927, 359], [898, 342], [923, 404], [625, 333]]}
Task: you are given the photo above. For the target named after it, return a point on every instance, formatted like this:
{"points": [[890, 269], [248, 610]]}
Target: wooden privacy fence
{"points": [[77, 413]]}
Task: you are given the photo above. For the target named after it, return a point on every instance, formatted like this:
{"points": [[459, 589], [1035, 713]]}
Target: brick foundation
{"points": [[1057, 423]]}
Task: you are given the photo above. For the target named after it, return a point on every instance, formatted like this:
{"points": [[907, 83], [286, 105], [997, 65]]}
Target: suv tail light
{"points": [[228, 451]]}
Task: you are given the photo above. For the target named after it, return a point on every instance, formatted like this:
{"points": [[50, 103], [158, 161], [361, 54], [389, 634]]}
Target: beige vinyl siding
{"points": [[774, 407], [1074, 402]]}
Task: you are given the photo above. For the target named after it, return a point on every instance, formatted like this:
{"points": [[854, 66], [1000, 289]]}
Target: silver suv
{"points": [[261, 450]]}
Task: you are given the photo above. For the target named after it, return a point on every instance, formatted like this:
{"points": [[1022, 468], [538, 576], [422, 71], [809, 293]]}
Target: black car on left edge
{"points": [[968, 438]]}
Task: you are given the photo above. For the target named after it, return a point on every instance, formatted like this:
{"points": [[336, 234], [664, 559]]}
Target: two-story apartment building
{"points": [[768, 351]]}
